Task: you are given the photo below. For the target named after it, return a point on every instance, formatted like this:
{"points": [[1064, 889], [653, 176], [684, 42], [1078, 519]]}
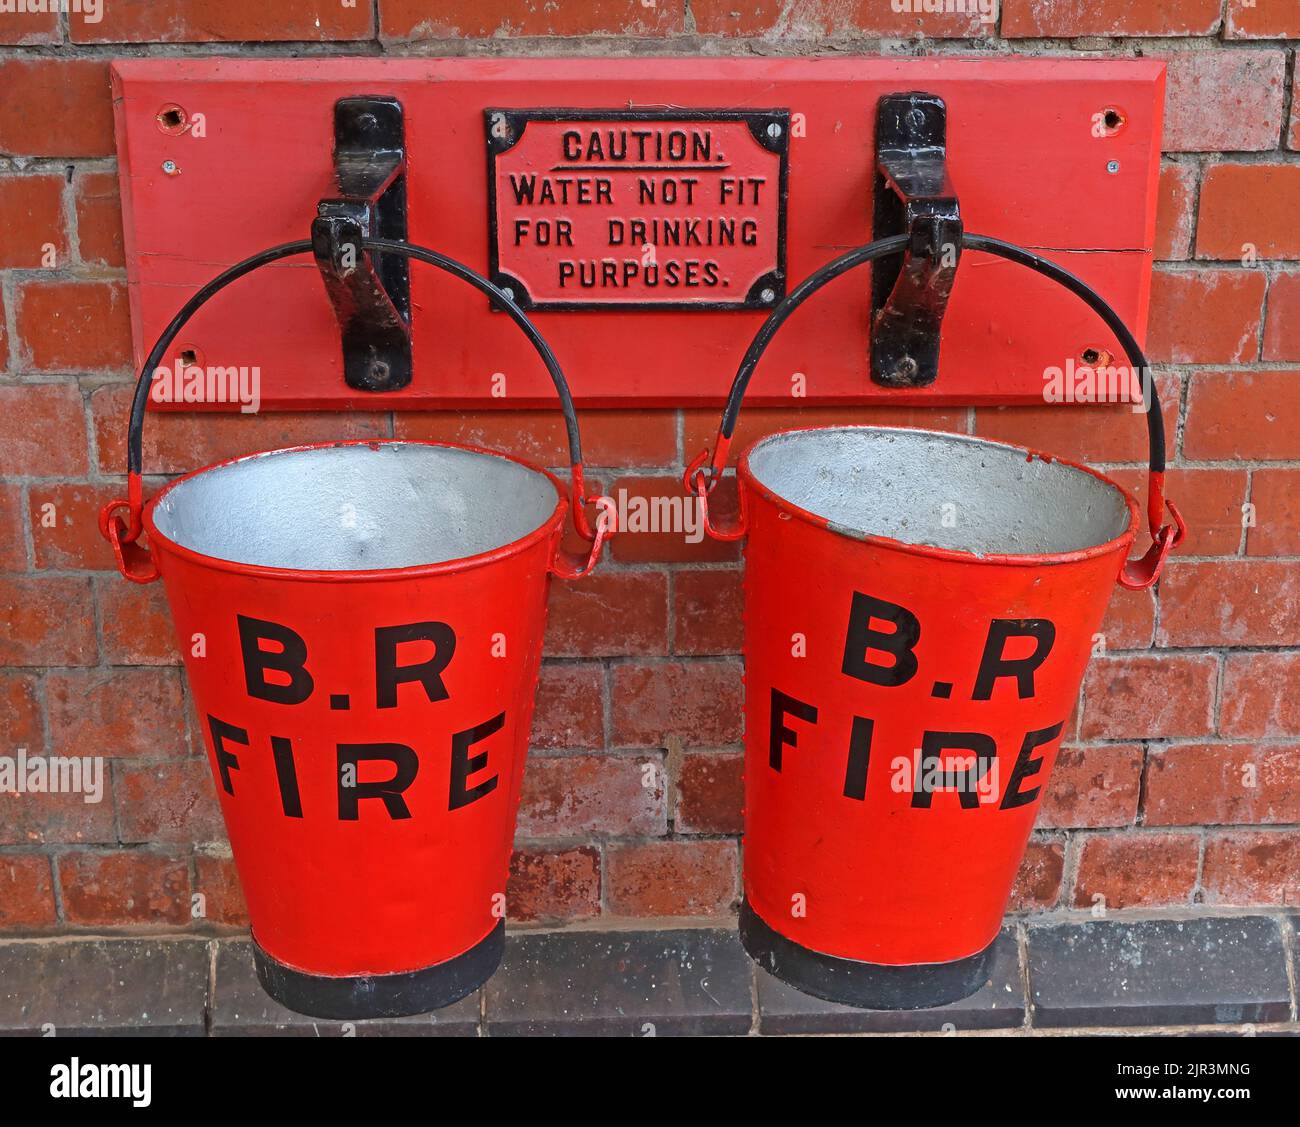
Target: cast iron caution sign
{"points": [[634, 208]]}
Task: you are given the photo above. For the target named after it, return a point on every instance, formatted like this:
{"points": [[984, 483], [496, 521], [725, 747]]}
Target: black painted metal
{"points": [[372, 299], [872, 986], [353, 998], [914, 197]]}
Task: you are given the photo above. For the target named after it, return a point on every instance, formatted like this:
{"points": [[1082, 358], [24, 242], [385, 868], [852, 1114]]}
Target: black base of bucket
{"points": [[870, 986], [382, 995]]}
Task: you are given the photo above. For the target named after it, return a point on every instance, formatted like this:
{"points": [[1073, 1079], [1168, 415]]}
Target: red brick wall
{"points": [[1198, 691]]}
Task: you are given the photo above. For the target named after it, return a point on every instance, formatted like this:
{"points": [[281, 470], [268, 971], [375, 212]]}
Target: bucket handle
{"points": [[1136, 575], [134, 560]]}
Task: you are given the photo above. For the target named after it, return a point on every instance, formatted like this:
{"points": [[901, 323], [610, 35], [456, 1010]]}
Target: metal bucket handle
{"points": [[1136, 574], [134, 561]]}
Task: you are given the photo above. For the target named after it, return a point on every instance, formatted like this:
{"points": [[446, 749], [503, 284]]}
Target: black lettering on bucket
{"points": [[855, 774], [291, 661], [463, 765], [286, 774], [779, 735], [993, 665], [932, 777], [388, 674], [861, 639], [226, 760], [406, 765], [1026, 767]]}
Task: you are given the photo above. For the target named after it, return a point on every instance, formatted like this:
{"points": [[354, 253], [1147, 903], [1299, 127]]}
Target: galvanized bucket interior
{"points": [[940, 490], [361, 507]]}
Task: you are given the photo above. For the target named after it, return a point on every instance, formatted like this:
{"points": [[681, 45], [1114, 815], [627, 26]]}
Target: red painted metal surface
{"points": [[839, 855], [1027, 154], [370, 886]]}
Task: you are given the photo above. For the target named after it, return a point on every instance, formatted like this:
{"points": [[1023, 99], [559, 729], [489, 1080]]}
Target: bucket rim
{"points": [[547, 528], [1030, 559]]}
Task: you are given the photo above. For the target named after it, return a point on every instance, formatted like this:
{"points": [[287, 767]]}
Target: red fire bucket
{"points": [[361, 623], [919, 611]]}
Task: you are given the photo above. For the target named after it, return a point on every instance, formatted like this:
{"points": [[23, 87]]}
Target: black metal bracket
{"points": [[915, 197], [371, 299]]}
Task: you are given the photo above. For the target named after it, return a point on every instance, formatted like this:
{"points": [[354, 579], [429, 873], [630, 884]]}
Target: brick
{"points": [[217, 881], [700, 427], [213, 21], [46, 622], [31, 221], [1225, 100], [564, 885], [414, 20], [125, 887], [66, 533], [609, 614], [168, 802], [1275, 493], [1205, 316], [711, 793], [998, 1004], [1282, 326], [1130, 619], [1070, 19], [658, 522], [123, 713], [1210, 501], [1038, 883], [1261, 695], [63, 817], [1243, 415], [1136, 870], [20, 713], [74, 325], [152, 987], [1158, 972], [1149, 696], [689, 982], [42, 430], [1175, 218], [1252, 867], [26, 892], [672, 878], [28, 28], [1223, 784], [708, 612], [13, 547], [99, 219], [585, 795], [135, 622], [177, 443], [618, 439], [1248, 211], [1233, 603], [1093, 788], [816, 19], [61, 108], [1261, 19], [1086, 432], [698, 702], [570, 707]]}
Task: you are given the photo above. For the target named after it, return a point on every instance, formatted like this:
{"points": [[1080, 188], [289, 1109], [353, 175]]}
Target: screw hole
{"points": [[173, 119], [189, 358], [1090, 356]]}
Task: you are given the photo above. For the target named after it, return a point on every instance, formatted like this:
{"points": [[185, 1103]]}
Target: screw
{"points": [[767, 297], [1112, 166], [774, 131], [905, 369], [508, 292], [170, 167], [379, 371]]}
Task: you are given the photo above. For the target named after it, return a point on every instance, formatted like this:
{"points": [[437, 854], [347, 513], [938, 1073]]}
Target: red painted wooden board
{"points": [[1023, 153]]}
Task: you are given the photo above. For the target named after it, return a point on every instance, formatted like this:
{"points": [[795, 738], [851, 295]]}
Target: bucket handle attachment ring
{"points": [[134, 560], [704, 473]]}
